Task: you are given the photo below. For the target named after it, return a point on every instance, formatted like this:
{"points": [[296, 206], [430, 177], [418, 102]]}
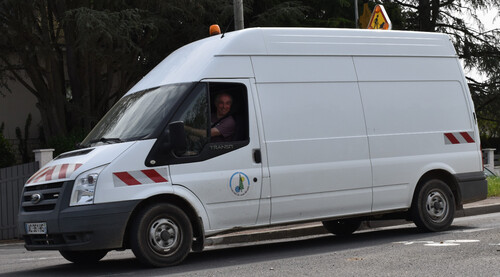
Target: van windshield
{"points": [[136, 116]]}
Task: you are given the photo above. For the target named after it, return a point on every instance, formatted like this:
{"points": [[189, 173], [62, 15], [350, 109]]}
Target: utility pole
{"points": [[356, 14], [238, 14]]}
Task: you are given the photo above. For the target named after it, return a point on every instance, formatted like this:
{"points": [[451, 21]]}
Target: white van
{"points": [[327, 125]]}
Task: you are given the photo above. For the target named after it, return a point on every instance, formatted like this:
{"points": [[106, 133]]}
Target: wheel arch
{"points": [[444, 176], [184, 205]]}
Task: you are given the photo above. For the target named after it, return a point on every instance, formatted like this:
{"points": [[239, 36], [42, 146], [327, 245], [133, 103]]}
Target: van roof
{"points": [[333, 42], [204, 58]]}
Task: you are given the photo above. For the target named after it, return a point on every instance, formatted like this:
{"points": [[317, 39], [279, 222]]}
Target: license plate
{"points": [[36, 228]]}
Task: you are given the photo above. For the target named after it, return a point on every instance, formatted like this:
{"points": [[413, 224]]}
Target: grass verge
{"points": [[493, 186]]}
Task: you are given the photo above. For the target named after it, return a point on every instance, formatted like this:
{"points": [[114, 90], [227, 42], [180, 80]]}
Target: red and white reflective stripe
{"points": [[459, 137], [55, 172], [140, 177]]}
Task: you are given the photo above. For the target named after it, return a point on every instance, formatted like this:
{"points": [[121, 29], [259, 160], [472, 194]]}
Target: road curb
{"points": [[256, 235], [478, 210], [316, 228]]}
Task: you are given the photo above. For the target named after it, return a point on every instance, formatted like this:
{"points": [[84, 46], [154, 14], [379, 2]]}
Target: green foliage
{"points": [[76, 57], [487, 104], [7, 157], [312, 13], [286, 14], [493, 186], [67, 143]]}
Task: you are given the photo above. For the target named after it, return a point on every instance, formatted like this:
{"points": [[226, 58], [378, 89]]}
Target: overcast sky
{"points": [[489, 21]]}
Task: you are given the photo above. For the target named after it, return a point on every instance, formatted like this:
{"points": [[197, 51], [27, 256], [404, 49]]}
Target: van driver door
{"points": [[223, 171]]}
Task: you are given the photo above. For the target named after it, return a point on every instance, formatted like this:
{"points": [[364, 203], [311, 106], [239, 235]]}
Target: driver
{"points": [[223, 124]]}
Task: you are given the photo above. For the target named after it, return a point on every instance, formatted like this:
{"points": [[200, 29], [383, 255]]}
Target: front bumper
{"points": [[473, 186], [89, 227]]}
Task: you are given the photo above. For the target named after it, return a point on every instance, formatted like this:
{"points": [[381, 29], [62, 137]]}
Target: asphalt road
{"points": [[470, 248]]}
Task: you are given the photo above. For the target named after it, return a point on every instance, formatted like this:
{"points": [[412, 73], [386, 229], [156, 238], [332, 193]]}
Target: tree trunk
{"points": [[424, 16]]}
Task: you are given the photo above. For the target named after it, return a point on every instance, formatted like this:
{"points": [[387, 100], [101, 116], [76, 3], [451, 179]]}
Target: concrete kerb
{"points": [[490, 205]]}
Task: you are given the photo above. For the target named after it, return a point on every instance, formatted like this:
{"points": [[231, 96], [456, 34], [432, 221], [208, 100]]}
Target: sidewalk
{"points": [[489, 205]]}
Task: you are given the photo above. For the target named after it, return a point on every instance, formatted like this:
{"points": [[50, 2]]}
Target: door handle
{"points": [[257, 157]]}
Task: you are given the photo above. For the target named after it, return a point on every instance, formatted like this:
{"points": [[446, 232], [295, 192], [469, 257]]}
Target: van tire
{"points": [[433, 207], [161, 235], [342, 227], [84, 257]]}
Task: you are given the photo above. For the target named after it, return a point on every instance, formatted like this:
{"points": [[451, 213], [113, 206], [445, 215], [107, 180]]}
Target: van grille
{"points": [[57, 239], [41, 197], [44, 239]]}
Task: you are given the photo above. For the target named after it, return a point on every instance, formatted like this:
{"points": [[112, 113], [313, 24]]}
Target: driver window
{"points": [[215, 113], [229, 112]]}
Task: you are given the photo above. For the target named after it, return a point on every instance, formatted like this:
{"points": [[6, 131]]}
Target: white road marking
{"points": [[441, 243], [414, 242], [472, 230], [40, 259]]}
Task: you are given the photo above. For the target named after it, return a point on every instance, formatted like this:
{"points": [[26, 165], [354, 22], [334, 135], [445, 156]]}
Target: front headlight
{"points": [[84, 187]]}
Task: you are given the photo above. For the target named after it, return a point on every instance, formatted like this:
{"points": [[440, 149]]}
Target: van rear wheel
{"points": [[342, 227], [433, 207], [161, 235]]}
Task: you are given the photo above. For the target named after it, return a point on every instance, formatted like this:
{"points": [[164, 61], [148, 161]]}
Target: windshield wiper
{"points": [[106, 140]]}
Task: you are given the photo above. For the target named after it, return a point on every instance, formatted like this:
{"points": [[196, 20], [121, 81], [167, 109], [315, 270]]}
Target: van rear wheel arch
{"points": [[435, 201], [447, 178]]}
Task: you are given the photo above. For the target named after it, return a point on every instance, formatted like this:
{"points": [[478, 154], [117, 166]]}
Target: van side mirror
{"points": [[177, 137]]}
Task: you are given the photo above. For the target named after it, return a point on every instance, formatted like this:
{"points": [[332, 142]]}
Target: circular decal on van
{"points": [[239, 183]]}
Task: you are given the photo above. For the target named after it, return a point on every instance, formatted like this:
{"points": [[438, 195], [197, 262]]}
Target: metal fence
{"points": [[12, 180]]}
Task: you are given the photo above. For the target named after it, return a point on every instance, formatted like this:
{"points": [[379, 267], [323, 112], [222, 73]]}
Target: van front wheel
{"points": [[433, 207], [161, 235]]}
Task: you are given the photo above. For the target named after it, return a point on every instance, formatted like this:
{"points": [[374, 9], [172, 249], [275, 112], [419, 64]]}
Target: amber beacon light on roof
{"points": [[214, 30]]}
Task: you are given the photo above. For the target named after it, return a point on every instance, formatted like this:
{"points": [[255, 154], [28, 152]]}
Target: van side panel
{"points": [[303, 69], [410, 105], [315, 137]]}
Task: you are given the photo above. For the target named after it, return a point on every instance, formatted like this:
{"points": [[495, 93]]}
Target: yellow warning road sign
{"points": [[380, 19]]}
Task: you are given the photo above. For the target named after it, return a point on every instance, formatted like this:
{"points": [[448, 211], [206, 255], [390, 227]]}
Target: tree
{"points": [[79, 56], [76, 57], [309, 13]]}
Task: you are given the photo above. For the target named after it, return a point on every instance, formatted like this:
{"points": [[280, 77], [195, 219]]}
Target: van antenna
{"points": [[227, 27]]}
